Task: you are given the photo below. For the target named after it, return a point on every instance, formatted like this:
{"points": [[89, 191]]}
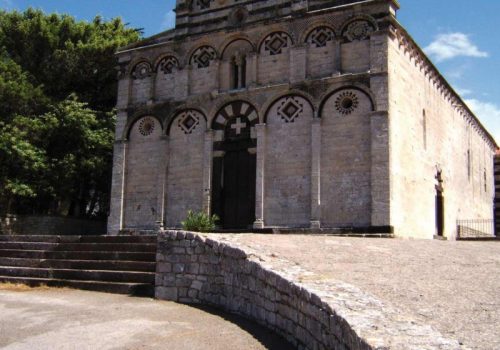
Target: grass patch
{"points": [[18, 287]]}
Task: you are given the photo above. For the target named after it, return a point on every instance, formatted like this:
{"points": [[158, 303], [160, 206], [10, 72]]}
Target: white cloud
{"points": [[463, 92], [489, 114], [451, 45], [168, 20]]}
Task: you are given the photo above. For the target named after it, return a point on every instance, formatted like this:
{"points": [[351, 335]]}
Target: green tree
{"points": [[57, 92]]}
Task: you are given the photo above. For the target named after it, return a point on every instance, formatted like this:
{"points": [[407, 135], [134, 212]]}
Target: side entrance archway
{"points": [[234, 166]]}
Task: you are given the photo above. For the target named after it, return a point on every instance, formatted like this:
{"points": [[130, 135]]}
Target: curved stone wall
{"points": [[311, 314]]}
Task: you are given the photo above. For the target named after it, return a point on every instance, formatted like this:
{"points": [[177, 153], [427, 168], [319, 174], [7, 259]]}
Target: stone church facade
{"points": [[299, 114]]}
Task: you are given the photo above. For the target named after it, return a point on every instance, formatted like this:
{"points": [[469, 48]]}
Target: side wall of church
{"points": [[429, 134]]}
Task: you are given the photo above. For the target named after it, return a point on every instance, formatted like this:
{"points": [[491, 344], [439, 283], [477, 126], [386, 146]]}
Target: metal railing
{"points": [[475, 228]]}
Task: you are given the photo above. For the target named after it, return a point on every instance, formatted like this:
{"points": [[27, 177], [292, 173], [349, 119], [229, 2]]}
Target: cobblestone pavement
{"points": [[452, 286], [59, 319]]}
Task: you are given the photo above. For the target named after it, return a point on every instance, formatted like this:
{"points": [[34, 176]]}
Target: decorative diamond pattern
{"points": [[319, 37], [167, 64], [188, 122], [290, 109], [276, 42], [203, 56]]}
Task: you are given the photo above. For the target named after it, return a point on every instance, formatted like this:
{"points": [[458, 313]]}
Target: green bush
{"points": [[199, 222]]}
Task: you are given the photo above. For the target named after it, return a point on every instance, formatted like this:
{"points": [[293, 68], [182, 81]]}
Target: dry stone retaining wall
{"points": [[308, 312]]}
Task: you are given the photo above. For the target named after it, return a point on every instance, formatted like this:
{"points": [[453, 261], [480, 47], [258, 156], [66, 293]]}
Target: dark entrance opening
{"points": [[233, 188], [439, 205]]}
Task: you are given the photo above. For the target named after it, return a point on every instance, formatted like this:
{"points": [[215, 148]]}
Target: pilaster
{"points": [[162, 182], [316, 173], [115, 219], [298, 56], [207, 170], [260, 176]]}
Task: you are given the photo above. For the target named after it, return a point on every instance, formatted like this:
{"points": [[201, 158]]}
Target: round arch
{"points": [[173, 116], [267, 107], [131, 123], [333, 91]]}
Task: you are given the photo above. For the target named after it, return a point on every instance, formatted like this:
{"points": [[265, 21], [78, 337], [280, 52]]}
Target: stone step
{"points": [[114, 265], [80, 239], [135, 289], [86, 275], [94, 247], [78, 255]]}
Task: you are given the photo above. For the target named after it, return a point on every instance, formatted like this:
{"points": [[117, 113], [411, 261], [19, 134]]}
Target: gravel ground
{"points": [[58, 319], [453, 286]]}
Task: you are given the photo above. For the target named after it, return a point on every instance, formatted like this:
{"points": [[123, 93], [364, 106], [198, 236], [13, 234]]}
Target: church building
{"points": [[294, 114]]}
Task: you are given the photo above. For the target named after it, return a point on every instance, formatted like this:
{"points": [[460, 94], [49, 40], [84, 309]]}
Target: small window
{"points": [[468, 165], [485, 181], [424, 129]]}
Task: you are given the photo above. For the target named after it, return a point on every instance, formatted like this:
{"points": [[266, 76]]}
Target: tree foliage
{"points": [[57, 92]]}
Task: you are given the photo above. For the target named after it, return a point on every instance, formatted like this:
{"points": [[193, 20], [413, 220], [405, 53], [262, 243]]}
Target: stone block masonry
{"points": [[194, 268], [497, 194]]}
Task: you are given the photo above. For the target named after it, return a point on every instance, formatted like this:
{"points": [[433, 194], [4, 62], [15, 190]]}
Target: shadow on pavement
{"points": [[266, 337]]}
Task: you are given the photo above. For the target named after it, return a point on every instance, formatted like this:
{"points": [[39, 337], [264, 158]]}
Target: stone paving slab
{"points": [[59, 319], [452, 286]]}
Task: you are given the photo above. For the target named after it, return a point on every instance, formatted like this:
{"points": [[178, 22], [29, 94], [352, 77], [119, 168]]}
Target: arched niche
{"points": [[141, 173]]}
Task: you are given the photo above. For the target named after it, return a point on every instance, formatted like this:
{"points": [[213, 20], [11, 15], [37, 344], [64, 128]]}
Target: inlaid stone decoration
{"points": [[320, 36], [203, 56], [188, 121], [167, 64], [358, 30], [290, 109], [346, 102], [237, 118], [276, 42], [203, 4], [146, 126], [141, 70]]}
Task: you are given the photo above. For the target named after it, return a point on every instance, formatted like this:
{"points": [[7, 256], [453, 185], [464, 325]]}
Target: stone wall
{"points": [[346, 160], [50, 225], [143, 153], [497, 194], [310, 314], [288, 163], [432, 133]]}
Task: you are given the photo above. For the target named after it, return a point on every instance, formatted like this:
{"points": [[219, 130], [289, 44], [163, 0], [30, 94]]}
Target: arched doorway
{"points": [[234, 166], [439, 205]]}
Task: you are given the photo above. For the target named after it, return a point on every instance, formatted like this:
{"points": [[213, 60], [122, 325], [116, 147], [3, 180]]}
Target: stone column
{"points": [[260, 178], [208, 151], [162, 183], [252, 69], [116, 216], [316, 173]]}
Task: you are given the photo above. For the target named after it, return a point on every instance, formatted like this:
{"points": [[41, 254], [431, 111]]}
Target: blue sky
{"points": [[458, 35]]}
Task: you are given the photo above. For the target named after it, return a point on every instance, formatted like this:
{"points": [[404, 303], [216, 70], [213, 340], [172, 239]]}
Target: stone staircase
{"points": [[113, 264]]}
